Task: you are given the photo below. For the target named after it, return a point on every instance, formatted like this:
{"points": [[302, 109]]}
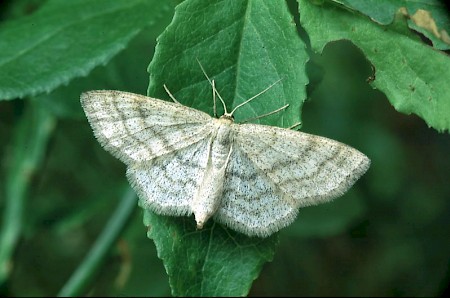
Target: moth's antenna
{"points": [[253, 97], [170, 94], [214, 97], [212, 84], [295, 125], [267, 114]]}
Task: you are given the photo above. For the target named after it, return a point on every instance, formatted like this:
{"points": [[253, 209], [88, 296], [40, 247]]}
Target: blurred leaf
{"points": [[64, 40], [30, 144], [411, 83], [18, 8], [213, 261], [81, 278], [386, 152], [138, 278], [125, 72], [328, 219]]}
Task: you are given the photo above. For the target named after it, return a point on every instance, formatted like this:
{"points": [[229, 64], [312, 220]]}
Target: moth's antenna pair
{"points": [[241, 104], [213, 89], [215, 92]]}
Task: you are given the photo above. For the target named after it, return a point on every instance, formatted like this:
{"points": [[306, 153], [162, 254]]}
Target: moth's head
{"points": [[227, 118]]}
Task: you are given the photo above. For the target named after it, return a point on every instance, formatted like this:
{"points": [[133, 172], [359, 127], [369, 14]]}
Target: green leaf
{"points": [[413, 75], [124, 72], [383, 12], [67, 39], [245, 46], [213, 261]]}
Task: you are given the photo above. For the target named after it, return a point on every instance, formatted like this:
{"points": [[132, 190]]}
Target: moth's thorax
{"points": [[222, 138]]}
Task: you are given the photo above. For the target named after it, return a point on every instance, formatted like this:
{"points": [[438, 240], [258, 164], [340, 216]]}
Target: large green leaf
{"points": [[245, 46], [67, 39], [413, 75]]}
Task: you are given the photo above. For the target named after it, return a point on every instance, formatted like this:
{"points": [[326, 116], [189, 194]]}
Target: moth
{"points": [[251, 178]]}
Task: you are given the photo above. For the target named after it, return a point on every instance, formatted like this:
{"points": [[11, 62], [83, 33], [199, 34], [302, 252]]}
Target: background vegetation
{"points": [[372, 75]]}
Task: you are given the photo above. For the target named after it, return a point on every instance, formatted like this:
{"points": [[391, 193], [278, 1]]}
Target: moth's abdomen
{"points": [[208, 196]]}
